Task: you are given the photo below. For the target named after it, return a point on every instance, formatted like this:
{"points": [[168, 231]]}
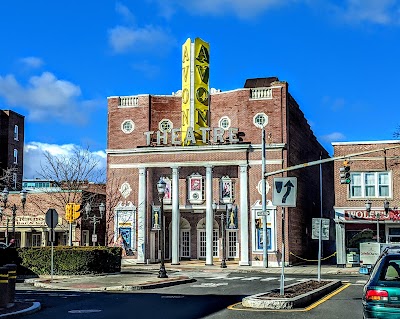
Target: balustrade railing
{"points": [[128, 101], [261, 93]]}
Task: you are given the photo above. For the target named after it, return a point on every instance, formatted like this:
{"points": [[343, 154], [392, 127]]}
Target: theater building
{"points": [[360, 212], [207, 147]]}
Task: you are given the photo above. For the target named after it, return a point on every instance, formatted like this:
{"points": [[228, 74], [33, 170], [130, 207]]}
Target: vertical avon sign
{"points": [[195, 91]]}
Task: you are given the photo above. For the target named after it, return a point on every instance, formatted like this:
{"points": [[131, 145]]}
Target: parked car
{"points": [[381, 297]]}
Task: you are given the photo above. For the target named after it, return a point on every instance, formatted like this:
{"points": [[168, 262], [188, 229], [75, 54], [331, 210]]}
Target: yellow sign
{"points": [[186, 88], [201, 87], [195, 91]]}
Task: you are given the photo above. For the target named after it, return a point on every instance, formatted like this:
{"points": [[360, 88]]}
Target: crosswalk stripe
{"points": [[219, 277], [251, 278], [269, 279], [233, 278]]}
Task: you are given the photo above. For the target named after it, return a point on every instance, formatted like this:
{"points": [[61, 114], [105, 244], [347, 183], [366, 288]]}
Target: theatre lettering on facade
{"points": [[206, 145]]}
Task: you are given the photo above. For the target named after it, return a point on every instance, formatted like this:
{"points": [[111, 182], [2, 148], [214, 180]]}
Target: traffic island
{"points": [[298, 295]]}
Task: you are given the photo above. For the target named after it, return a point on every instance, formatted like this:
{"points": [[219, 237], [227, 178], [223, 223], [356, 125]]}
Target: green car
{"points": [[381, 298]]}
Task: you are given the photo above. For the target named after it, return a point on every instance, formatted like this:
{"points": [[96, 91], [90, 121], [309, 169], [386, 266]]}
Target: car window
{"points": [[391, 270]]}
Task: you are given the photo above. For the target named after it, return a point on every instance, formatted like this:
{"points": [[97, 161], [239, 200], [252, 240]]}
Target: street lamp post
{"points": [[223, 231], [4, 198], [368, 205], [161, 192], [94, 219]]}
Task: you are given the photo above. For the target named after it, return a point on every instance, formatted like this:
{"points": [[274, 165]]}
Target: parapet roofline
{"points": [[366, 142]]}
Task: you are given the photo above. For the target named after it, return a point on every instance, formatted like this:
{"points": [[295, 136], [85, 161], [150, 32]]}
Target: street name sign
{"points": [[284, 191]]}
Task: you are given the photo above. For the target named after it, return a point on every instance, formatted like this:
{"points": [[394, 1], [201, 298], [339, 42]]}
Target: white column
{"points": [[209, 216], [340, 245], [244, 218], [175, 216], [141, 248]]}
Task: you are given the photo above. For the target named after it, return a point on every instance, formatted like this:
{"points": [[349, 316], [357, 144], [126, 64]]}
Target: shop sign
{"points": [[372, 215], [30, 221]]}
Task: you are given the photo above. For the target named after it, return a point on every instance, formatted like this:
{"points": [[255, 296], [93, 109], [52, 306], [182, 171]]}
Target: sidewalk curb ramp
{"points": [[262, 301]]}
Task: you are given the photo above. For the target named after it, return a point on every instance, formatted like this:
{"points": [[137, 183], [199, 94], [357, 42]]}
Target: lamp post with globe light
{"points": [[161, 185], [4, 198]]}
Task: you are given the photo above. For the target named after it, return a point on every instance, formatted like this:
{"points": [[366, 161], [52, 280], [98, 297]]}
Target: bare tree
{"points": [[396, 134], [113, 197], [6, 178], [70, 174]]}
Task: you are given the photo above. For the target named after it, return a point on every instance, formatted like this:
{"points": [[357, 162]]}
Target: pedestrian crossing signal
{"points": [[345, 173]]}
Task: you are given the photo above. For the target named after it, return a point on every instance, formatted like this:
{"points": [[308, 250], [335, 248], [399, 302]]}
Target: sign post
{"points": [[52, 221], [284, 195]]}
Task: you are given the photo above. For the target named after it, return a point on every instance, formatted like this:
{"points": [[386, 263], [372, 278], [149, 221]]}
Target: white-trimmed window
{"points": [[15, 156], [14, 180], [127, 126], [165, 125], [260, 120], [370, 185], [16, 132], [224, 123]]}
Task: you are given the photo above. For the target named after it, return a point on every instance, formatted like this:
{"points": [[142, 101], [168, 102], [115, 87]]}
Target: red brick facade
{"points": [[376, 165], [290, 141]]}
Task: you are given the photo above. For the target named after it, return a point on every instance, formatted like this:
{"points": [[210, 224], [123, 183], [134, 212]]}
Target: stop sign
{"points": [[52, 218]]}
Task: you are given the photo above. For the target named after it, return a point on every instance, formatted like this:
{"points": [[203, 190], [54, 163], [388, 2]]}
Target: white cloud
{"points": [[242, 9], [45, 97], [130, 38], [333, 137], [383, 12], [32, 62], [34, 156]]}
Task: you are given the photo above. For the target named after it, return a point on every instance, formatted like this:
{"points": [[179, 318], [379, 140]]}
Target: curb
{"points": [[36, 306], [127, 287]]}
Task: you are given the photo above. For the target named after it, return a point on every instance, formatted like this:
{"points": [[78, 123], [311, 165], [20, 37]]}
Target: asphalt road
{"points": [[211, 297]]}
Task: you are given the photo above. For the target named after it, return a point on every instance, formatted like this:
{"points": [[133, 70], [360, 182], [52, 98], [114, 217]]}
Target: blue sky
{"points": [[60, 60]]}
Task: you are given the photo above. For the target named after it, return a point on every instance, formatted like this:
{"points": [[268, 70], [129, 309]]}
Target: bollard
{"points": [[12, 279], [3, 287]]}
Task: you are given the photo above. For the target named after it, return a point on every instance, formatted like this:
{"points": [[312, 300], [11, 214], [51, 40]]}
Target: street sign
{"points": [[51, 218], [265, 213], [94, 238], [325, 228], [285, 191]]}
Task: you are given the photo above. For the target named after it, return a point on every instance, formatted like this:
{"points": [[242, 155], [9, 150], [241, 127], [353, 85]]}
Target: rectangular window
{"points": [[14, 180], [202, 246], [202, 250], [232, 239], [15, 156], [185, 243], [215, 243], [16, 132], [370, 185], [36, 240]]}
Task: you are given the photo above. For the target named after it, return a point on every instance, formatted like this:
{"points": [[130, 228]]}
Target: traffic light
{"points": [[69, 212], [76, 211], [72, 212], [345, 173]]}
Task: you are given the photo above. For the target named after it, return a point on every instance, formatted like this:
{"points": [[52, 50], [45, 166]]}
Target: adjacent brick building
{"points": [[12, 147], [375, 178], [227, 172]]}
